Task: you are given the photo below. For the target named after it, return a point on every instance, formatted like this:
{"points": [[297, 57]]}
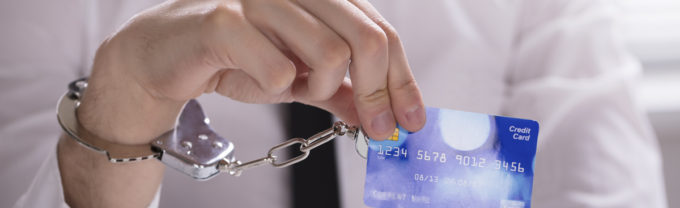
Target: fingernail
{"points": [[382, 124], [415, 115]]}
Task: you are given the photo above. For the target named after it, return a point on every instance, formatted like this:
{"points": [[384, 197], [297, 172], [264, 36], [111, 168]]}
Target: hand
{"points": [[254, 51]]}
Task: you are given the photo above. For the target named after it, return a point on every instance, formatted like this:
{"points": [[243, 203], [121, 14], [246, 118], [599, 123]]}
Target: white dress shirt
{"points": [[560, 62]]}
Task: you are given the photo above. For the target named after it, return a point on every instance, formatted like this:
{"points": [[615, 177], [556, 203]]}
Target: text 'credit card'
{"points": [[458, 159]]}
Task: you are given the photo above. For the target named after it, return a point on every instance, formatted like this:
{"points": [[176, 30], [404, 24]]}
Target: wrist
{"points": [[89, 180], [115, 107]]}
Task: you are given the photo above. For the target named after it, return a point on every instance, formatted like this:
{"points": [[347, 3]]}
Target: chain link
{"points": [[235, 167]]}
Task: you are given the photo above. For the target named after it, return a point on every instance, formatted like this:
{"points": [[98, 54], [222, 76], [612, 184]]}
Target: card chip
{"points": [[395, 135], [458, 159]]}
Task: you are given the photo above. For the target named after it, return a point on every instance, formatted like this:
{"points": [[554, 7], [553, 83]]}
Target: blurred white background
{"points": [[652, 30]]}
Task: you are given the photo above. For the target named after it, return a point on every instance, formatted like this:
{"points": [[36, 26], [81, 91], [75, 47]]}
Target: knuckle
{"points": [[219, 17], [373, 98], [254, 10], [405, 86], [321, 94], [390, 33], [279, 78], [373, 40], [332, 54]]}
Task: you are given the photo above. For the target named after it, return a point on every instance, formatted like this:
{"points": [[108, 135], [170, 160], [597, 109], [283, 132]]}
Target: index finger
{"points": [[369, 62], [406, 99]]}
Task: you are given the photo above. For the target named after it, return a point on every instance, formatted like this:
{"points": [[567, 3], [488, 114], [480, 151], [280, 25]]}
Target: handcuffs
{"points": [[192, 147]]}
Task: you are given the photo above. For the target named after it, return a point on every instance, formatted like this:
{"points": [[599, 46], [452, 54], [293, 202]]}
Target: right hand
{"points": [[257, 51]]}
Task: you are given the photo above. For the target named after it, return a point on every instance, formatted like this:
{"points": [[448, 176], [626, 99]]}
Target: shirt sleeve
{"points": [[571, 72], [46, 188]]}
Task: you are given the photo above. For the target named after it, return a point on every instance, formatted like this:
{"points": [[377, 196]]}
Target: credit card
{"points": [[458, 159]]}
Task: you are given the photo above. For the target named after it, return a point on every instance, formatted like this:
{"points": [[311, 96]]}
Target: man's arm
{"points": [[117, 110], [250, 51], [90, 180]]}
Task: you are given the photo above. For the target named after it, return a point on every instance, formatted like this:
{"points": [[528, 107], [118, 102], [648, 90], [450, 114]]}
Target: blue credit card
{"points": [[459, 159]]}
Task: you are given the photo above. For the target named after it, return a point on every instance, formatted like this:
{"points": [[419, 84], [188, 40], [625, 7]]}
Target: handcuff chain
{"points": [[229, 164], [235, 167]]}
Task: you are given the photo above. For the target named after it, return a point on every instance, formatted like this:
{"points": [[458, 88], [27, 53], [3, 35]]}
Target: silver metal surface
{"points": [[303, 153], [318, 139], [235, 167], [360, 140], [191, 146]]}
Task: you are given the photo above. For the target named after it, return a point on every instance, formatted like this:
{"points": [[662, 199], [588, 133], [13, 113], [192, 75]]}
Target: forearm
{"points": [[114, 108], [90, 180]]}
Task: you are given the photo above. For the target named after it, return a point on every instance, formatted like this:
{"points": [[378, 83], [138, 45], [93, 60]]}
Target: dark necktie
{"points": [[314, 181]]}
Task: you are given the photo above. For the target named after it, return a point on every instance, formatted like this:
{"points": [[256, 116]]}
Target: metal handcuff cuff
{"points": [[192, 147]]}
